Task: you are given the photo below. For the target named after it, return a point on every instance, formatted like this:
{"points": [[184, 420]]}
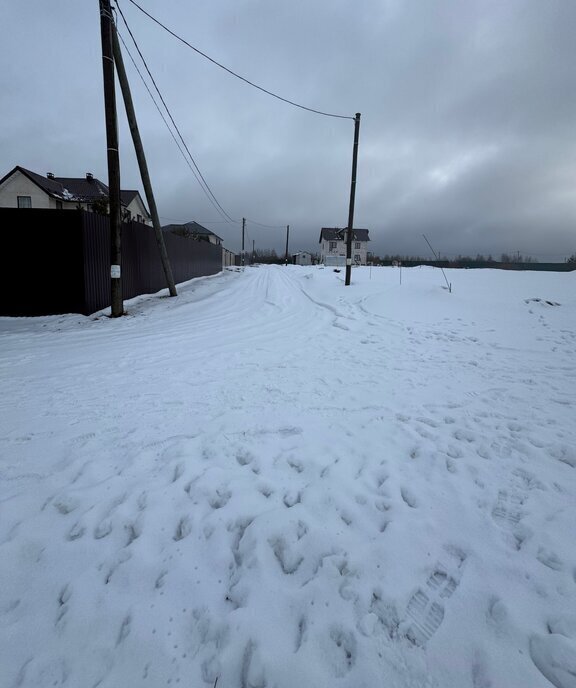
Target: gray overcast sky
{"points": [[468, 115]]}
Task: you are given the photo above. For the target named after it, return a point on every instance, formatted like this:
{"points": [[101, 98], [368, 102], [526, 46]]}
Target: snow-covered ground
{"points": [[277, 481]]}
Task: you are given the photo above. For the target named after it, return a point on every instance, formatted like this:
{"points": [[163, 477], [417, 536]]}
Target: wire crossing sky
{"points": [[238, 76], [196, 170], [199, 176]]}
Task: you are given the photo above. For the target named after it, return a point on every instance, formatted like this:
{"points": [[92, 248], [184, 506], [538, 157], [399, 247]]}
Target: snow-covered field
{"points": [[277, 481]]}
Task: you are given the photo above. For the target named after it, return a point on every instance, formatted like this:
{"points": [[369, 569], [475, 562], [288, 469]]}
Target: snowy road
{"points": [[277, 481]]}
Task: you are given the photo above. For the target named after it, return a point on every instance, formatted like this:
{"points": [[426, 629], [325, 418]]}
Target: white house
{"points": [[302, 258], [21, 188], [333, 246]]}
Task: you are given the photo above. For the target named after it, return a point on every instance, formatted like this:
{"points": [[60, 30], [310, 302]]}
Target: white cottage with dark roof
{"points": [[22, 188], [333, 246]]}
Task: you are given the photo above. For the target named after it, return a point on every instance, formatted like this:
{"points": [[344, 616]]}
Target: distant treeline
{"points": [[505, 262]]}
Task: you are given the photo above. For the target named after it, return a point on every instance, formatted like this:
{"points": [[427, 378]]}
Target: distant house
{"points": [[302, 258], [21, 188], [228, 258], [194, 231], [333, 246]]}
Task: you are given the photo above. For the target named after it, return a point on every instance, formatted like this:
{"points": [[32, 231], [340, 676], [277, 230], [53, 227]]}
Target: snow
{"points": [[274, 480]]}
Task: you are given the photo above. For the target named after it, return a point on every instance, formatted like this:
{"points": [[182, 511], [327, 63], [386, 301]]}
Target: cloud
{"points": [[467, 109]]}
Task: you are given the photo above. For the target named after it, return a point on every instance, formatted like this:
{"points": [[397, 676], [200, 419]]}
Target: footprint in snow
{"points": [[426, 607], [291, 498], [409, 497], [178, 471], [288, 560], [219, 499], [103, 529], [76, 532], [507, 511], [65, 505], [345, 646], [244, 457], [142, 501], [296, 465], [550, 559], [133, 532], [252, 674], [463, 435], [379, 479], [301, 633], [124, 630], [183, 529], [555, 657]]}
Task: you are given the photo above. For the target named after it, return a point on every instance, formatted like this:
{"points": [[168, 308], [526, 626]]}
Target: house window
{"points": [[333, 245], [357, 258], [138, 218], [24, 201], [357, 244], [58, 205]]}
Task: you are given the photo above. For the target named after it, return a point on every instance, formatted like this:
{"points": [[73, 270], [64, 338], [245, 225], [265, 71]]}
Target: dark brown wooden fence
{"points": [[58, 261]]}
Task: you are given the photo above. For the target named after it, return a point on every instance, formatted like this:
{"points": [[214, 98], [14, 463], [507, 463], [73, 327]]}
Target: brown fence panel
{"points": [[191, 258], [142, 271], [58, 261], [96, 258], [42, 265]]}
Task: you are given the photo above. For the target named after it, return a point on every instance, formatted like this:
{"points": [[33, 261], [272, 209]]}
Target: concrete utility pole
{"points": [[243, 228], [141, 157], [287, 237], [352, 198], [117, 305]]}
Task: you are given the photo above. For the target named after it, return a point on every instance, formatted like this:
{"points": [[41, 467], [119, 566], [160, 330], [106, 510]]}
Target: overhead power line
{"points": [[230, 71], [199, 176], [178, 144], [259, 224]]}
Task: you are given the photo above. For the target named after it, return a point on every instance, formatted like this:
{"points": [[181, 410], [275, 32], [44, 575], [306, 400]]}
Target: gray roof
{"points": [[193, 228], [72, 189], [127, 196], [82, 189], [335, 234]]}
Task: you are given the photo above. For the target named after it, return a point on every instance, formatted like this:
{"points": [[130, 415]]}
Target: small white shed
{"points": [[302, 258]]}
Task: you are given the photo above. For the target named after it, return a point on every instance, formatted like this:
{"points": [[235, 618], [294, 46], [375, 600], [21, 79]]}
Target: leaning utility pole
{"points": [[352, 198], [287, 237], [243, 227], [117, 305], [139, 148]]}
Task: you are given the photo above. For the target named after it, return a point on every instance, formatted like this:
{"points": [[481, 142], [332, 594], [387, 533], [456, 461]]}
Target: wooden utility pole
{"points": [[117, 305], [141, 157], [287, 237], [253, 251], [352, 198], [243, 228]]}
